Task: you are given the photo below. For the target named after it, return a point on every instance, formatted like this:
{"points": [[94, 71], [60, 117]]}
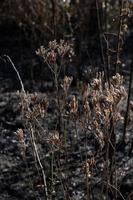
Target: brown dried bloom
{"points": [[118, 94], [66, 83], [53, 45], [96, 84], [33, 107], [87, 167], [117, 80], [51, 56], [64, 48], [21, 145], [41, 51], [20, 135], [105, 102], [55, 50], [55, 140], [86, 107], [39, 110], [73, 105]]}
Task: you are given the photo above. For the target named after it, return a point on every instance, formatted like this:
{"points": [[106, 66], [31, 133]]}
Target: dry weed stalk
{"points": [[101, 100], [40, 109], [66, 84], [87, 167], [21, 139], [54, 56], [91, 108]]}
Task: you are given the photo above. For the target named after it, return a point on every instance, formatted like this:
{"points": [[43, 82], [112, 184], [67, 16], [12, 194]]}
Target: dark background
{"points": [[25, 25]]}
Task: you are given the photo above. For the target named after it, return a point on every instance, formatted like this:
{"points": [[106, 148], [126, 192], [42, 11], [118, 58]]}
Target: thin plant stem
{"points": [[119, 36], [18, 75], [39, 162], [128, 102], [100, 37], [117, 191], [106, 19], [87, 179]]}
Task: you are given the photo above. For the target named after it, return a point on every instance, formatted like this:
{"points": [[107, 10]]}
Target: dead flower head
{"points": [[117, 80], [55, 139], [55, 50], [73, 105], [97, 82], [66, 83], [38, 110], [20, 135], [86, 107], [87, 167], [21, 145]]}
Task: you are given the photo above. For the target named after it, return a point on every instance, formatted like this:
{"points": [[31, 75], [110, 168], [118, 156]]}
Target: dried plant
{"points": [[54, 56], [21, 139], [80, 116], [66, 83], [54, 53], [87, 167], [88, 112]]}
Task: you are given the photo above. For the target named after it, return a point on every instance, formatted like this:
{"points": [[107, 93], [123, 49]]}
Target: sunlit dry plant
{"points": [[55, 50], [39, 110], [117, 80], [73, 105], [97, 82], [21, 139], [104, 100], [20, 135], [87, 167], [34, 107], [55, 140], [66, 83], [86, 107]]}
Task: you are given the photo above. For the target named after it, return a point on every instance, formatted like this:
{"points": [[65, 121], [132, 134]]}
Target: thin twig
{"points": [[18, 75], [128, 102], [39, 161], [100, 37], [119, 36], [117, 191]]}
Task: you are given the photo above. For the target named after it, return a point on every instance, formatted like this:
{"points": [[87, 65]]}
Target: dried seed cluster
{"points": [[34, 107], [99, 101], [55, 50], [87, 167], [55, 140]]}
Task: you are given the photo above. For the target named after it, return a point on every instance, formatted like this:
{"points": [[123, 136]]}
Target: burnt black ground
{"points": [[19, 177]]}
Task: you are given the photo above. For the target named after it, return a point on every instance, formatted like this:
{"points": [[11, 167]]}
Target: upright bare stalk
{"points": [[100, 37], [119, 36], [15, 69], [39, 161], [31, 129], [128, 102]]}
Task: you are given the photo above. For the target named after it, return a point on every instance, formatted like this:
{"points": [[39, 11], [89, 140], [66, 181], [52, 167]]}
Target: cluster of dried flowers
{"points": [[99, 101], [33, 106], [87, 167], [91, 108], [55, 140], [66, 83], [21, 139], [54, 51]]}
